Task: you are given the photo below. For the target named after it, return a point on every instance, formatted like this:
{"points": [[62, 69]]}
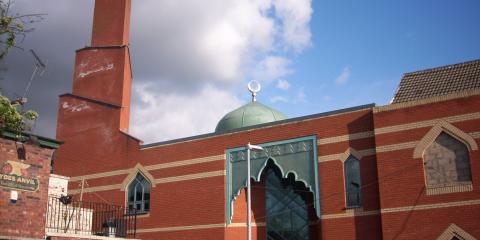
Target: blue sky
{"points": [[192, 59], [376, 42]]}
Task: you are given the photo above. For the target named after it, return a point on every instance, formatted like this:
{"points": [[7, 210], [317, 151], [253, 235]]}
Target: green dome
{"points": [[248, 115]]}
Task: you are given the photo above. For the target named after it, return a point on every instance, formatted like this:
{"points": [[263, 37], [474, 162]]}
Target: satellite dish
{"points": [[254, 87]]}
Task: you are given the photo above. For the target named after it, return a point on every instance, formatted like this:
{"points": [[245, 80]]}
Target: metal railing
{"points": [[87, 218]]}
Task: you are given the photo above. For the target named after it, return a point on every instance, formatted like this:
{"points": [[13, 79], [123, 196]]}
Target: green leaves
{"points": [[11, 117], [13, 28]]}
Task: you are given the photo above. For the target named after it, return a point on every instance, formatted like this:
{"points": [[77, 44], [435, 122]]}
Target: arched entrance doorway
{"points": [[286, 203]]}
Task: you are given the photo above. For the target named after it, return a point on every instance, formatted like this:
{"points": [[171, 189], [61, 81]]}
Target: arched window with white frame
{"points": [[138, 195]]}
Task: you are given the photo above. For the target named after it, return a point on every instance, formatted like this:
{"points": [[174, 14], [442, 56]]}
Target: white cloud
{"points": [[283, 84], [186, 47], [276, 99], [295, 17], [343, 77], [301, 96], [178, 48], [272, 68], [166, 116], [326, 98]]}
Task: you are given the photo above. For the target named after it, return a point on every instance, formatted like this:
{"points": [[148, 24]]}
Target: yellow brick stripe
{"points": [[157, 181], [338, 156], [408, 145], [401, 209], [395, 147], [185, 162], [198, 227], [100, 175], [428, 123], [343, 138], [181, 228], [347, 214], [190, 177], [151, 167], [431, 206], [475, 134]]}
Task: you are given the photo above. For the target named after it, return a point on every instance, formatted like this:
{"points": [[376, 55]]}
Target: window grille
{"points": [[287, 208]]}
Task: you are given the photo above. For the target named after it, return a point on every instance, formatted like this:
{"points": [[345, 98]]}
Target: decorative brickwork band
{"points": [[354, 212], [350, 151], [427, 123], [468, 187], [152, 167], [348, 137], [455, 232], [133, 173], [339, 156]]}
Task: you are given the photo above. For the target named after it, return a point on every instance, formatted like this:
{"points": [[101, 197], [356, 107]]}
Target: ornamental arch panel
{"points": [[297, 157]]}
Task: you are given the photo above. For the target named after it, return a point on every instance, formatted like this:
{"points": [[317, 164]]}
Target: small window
{"points": [[139, 195], [447, 162], [352, 182]]}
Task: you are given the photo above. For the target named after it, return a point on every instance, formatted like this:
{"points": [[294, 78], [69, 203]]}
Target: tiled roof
{"points": [[438, 81]]}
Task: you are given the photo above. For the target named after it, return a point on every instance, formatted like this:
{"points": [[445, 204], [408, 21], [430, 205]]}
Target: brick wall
{"points": [[200, 203], [26, 217], [402, 181]]}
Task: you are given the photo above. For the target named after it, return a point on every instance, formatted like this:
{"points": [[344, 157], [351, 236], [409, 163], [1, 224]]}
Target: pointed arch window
{"points": [[139, 194], [446, 162], [352, 182]]}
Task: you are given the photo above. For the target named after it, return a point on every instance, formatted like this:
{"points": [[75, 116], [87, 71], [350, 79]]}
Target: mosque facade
{"points": [[407, 170]]}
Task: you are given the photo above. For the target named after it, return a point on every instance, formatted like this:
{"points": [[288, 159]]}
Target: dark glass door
{"points": [[286, 207]]}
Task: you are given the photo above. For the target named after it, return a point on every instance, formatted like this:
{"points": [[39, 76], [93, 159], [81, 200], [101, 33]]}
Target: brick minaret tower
{"points": [[94, 118]]}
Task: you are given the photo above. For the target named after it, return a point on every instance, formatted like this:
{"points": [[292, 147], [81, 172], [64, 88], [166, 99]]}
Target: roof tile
{"points": [[438, 81]]}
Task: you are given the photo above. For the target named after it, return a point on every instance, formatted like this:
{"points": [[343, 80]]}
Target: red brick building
{"points": [[407, 170], [24, 180]]}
